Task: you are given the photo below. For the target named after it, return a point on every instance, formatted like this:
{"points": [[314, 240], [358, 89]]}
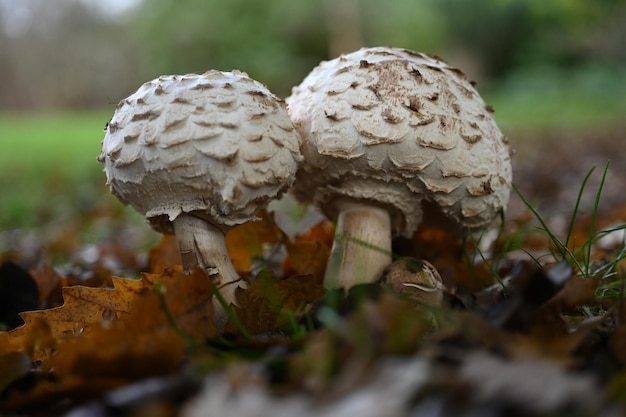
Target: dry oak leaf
{"points": [[82, 307], [189, 301], [188, 298], [141, 343]]}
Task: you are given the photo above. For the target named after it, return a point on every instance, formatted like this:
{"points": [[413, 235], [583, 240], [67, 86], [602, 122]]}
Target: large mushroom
{"points": [[389, 137], [198, 154]]}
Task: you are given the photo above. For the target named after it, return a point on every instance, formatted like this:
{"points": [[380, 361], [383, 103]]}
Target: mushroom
{"points": [[393, 138], [415, 279], [198, 154]]}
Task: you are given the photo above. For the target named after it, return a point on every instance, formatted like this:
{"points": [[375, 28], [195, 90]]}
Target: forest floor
{"points": [[533, 326]]}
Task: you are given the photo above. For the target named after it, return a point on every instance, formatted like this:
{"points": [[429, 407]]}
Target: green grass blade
{"points": [[594, 215], [190, 341], [563, 250], [578, 199], [229, 311], [475, 242]]}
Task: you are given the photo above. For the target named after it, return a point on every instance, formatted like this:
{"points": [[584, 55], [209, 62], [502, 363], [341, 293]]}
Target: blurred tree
{"points": [[412, 24], [63, 54], [503, 34], [69, 53], [275, 42], [343, 24], [8, 88]]}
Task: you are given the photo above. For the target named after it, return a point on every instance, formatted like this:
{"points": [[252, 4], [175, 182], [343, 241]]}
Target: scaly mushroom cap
{"points": [[219, 144], [398, 128]]}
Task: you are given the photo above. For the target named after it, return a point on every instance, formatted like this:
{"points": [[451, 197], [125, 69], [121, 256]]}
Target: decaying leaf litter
{"points": [[519, 331]]}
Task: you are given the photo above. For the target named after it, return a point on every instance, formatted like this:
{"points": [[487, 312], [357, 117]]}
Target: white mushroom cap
{"points": [[219, 144], [398, 128]]}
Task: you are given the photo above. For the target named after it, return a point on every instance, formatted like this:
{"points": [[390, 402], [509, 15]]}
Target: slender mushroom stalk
{"points": [[197, 155], [399, 135], [201, 244], [362, 245]]}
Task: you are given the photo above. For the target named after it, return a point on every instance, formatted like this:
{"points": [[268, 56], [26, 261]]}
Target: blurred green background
{"points": [[545, 66]]}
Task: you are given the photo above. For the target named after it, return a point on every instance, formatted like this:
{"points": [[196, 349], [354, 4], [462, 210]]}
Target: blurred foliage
{"points": [[272, 41], [280, 42], [94, 58], [503, 34]]}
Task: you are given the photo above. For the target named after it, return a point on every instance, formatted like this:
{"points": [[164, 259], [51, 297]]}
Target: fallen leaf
{"points": [[270, 303], [86, 307], [12, 367], [305, 258], [83, 307], [148, 333], [528, 290], [322, 232], [164, 255], [577, 292], [249, 240], [617, 344], [446, 252], [50, 284]]}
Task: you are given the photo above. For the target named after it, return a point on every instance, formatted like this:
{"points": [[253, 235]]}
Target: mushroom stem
{"points": [[361, 248], [202, 244]]}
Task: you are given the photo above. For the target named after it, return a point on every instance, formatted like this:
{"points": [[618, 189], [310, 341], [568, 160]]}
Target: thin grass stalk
{"points": [[594, 216], [578, 200], [564, 251]]}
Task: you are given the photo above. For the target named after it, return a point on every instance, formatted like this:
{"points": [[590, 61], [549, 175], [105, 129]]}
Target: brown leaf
{"points": [[144, 333], [49, 282], [617, 344], [305, 258], [322, 232], [164, 255], [147, 333], [554, 342], [547, 342], [445, 252], [246, 242], [12, 367], [267, 304], [189, 300], [308, 253], [576, 292], [84, 307]]}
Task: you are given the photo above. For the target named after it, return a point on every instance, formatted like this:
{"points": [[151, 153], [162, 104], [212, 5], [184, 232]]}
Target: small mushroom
{"points": [[389, 137], [198, 154], [416, 279]]}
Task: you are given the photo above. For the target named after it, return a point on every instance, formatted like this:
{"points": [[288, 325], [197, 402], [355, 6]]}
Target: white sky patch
{"points": [[15, 17], [113, 8]]}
